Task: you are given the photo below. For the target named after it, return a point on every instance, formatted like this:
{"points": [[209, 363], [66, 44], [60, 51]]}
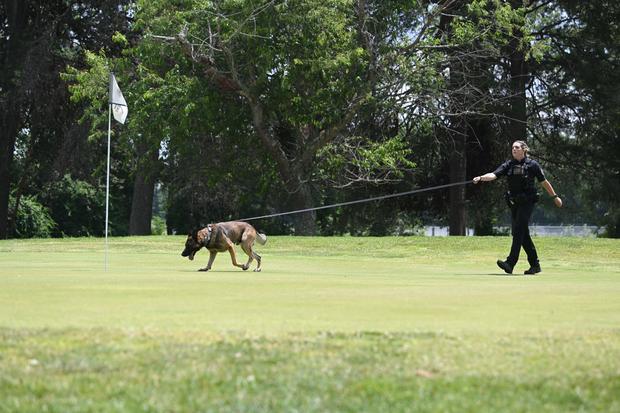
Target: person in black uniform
{"points": [[521, 171]]}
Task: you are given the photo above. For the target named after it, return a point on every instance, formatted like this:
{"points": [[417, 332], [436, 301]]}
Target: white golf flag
{"points": [[119, 106]]}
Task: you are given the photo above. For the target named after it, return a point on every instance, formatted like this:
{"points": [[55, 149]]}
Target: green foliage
{"points": [[578, 86], [301, 61], [33, 219], [364, 159], [158, 226], [91, 86], [305, 60], [120, 39], [316, 66], [391, 154], [39, 39], [134, 145], [76, 206]]}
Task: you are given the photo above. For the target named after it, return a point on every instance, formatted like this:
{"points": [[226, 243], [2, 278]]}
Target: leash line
{"points": [[359, 201]]}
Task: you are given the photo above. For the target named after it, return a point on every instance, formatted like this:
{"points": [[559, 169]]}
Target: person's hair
{"points": [[524, 146]]}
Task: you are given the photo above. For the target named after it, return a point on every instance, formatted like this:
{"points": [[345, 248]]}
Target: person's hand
{"points": [[558, 202], [477, 179]]}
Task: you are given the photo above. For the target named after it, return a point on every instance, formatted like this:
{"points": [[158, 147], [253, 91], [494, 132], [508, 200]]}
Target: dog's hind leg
{"points": [[233, 256], [252, 256], [257, 258]]}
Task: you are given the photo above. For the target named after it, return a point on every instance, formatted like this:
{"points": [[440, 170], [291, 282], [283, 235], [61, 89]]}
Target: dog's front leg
{"points": [[212, 255]]}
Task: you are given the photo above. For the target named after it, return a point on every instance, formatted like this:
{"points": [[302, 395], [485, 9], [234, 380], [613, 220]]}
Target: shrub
{"points": [[77, 207], [33, 220], [158, 226]]}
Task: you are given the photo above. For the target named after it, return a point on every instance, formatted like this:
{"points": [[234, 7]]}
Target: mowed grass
{"points": [[331, 324]]}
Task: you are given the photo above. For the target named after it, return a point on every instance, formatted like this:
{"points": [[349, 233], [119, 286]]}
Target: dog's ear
{"points": [[194, 234]]}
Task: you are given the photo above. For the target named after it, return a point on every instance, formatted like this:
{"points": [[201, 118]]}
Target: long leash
{"points": [[359, 201]]}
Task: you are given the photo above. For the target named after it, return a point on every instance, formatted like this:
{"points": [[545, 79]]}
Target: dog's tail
{"points": [[261, 238]]}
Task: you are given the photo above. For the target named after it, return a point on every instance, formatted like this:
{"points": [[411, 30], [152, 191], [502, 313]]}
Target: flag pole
{"points": [[107, 180], [116, 103]]}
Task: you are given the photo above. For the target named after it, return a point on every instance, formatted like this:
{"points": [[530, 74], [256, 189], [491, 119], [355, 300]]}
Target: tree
{"points": [[37, 40], [300, 67], [471, 98], [23, 42], [139, 142], [574, 106]]}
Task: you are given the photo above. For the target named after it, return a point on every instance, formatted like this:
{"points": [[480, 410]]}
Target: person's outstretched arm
{"points": [[485, 178], [556, 198]]}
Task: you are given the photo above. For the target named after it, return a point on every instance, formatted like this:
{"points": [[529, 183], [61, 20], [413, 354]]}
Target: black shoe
{"points": [[505, 266], [533, 270]]}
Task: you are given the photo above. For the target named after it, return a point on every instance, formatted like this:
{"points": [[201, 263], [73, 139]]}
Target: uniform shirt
{"points": [[521, 175]]}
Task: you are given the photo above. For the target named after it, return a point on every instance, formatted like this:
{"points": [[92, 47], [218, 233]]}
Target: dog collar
{"points": [[209, 231]]}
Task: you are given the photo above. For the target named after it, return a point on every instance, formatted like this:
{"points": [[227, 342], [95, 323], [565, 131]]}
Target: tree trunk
{"points": [[301, 196], [457, 167], [7, 146], [480, 160], [458, 156], [10, 118], [21, 186], [517, 129], [142, 200], [458, 133], [305, 222], [11, 62], [141, 205]]}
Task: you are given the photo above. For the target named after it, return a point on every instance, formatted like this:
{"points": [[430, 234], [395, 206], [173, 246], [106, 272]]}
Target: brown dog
{"points": [[223, 236]]}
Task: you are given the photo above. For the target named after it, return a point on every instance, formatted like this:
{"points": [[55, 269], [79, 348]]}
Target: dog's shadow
{"points": [[218, 272], [492, 274]]}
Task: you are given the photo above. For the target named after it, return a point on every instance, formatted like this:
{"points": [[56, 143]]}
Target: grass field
{"points": [[336, 324]]}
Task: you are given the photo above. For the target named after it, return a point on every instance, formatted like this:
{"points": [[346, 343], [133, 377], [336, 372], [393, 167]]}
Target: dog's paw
{"points": [[257, 270], [245, 267], [205, 269]]}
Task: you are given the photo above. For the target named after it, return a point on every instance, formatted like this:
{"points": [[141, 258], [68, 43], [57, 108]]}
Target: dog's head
{"points": [[192, 245], [195, 241]]}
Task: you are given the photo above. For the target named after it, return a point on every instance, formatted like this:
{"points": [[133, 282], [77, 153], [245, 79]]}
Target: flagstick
{"points": [[107, 187], [115, 98]]}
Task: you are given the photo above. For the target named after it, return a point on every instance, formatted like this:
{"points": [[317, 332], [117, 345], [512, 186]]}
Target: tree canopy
{"points": [[243, 107]]}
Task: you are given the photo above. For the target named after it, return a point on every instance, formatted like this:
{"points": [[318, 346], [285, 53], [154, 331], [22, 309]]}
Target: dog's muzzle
{"points": [[188, 254]]}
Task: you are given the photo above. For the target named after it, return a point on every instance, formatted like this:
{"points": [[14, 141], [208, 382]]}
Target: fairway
{"points": [[385, 321]]}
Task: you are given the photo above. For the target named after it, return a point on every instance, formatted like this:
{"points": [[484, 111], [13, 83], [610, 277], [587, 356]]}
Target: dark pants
{"points": [[521, 214]]}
